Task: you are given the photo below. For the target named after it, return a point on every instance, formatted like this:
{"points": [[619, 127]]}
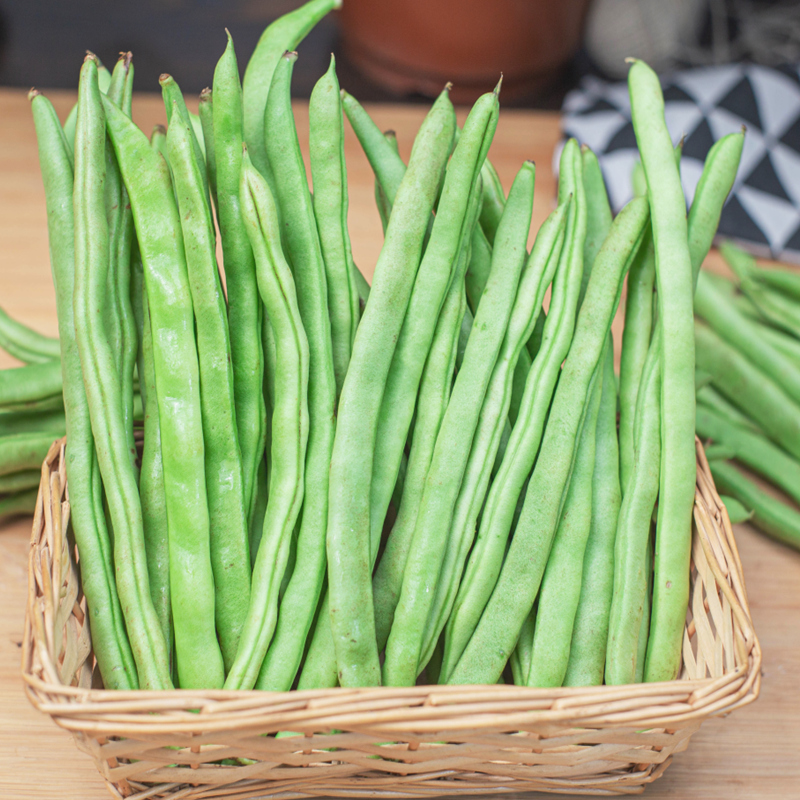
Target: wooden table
{"points": [[753, 754]]}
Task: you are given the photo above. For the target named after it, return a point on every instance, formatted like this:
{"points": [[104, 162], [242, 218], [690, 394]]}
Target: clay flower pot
{"points": [[416, 46]]}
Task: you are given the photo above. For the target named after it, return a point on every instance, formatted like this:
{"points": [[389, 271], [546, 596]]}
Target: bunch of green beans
{"points": [[417, 479]]}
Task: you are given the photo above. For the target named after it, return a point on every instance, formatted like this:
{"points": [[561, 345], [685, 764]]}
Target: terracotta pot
{"points": [[416, 46]]}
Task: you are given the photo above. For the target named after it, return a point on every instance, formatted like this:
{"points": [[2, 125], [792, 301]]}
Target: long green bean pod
{"points": [[770, 515], [434, 394], [495, 636], [451, 453], [206, 109], [290, 424], [675, 292], [227, 513], [23, 450], [33, 422], [151, 487], [244, 306], [24, 343], [329, 175], [753, 450], [156, 219], [103, 388], [748, 388], [285, 33], [492, 424], [483, 565], [23, 502], [636, 337], [709, 397], [783, 280], [109, 637], [20, 480], [587, 654], [303, 249], [452, 224], [494, 201], [561, 583], [598, 213], [22, 385], [348, 545]]}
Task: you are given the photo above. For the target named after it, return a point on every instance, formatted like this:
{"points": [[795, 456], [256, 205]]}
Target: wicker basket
{"points": [[420, 741]]}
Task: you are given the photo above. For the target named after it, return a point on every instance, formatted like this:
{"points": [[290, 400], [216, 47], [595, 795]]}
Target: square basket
{"points": [[421, 741]]}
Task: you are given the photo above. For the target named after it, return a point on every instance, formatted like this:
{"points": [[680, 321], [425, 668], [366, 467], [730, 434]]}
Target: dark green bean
{"points": [[19, 481], [19, 503]]}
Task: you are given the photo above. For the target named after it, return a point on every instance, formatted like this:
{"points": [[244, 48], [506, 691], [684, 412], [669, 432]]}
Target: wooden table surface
{"points": [[755, 753]]}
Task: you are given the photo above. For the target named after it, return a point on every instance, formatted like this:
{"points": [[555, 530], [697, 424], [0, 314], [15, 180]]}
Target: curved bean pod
{"points": [[290, 425], [21, 480], [24, 343], [20, 385], [20, 451], [494, 201]]}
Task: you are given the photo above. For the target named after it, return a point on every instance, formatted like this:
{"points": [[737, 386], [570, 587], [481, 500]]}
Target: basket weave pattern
{"points": [[420, 741]]}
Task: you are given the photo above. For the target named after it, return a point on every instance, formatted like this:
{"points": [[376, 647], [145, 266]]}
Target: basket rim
{"points": [[100, 711]]}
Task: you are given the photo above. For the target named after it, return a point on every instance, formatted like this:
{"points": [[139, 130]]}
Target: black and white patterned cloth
{"points": [[763, 211]]}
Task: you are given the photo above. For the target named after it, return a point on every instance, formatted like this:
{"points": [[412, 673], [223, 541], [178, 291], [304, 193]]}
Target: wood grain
{"points": [[755, 753]]}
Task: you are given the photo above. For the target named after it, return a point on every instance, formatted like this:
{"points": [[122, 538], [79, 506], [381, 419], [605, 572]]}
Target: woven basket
{"points": [[421, 741]]}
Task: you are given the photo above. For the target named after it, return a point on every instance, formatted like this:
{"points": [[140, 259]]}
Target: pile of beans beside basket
{"points": [[300, 480]]}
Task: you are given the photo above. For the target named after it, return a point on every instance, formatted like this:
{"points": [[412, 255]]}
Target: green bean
{"points": [[560, 591], [137, 309], [785, 281], [244, 308], [19, 503], [636, 337], [290, 424], [520, 659], [173, 101], [744, 334], [207, 123], [753, 450], [156, 219], [709, 397], [32, 422], [748, 388], [24, 343], [104, 80], [158, 141], [494, 201], [770, 515], [329, 175], [452, 224], [21, 480], [285, 33], [304, 251], [151, 488], [348, 545], [782, 342], [495, 636], [644, 627], [780, 311], [486, 557], [117, 306], [109, 637], [587, 653], [223, 468], [434, 394], [737, 513], [451, 452], [633, 526], [20, 385], [102, 383], [23, 451], [675, 291], [598, 214], [536, 277]]}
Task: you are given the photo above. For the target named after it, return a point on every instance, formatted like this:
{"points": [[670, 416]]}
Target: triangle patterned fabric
{"points": [[763, 212]]}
